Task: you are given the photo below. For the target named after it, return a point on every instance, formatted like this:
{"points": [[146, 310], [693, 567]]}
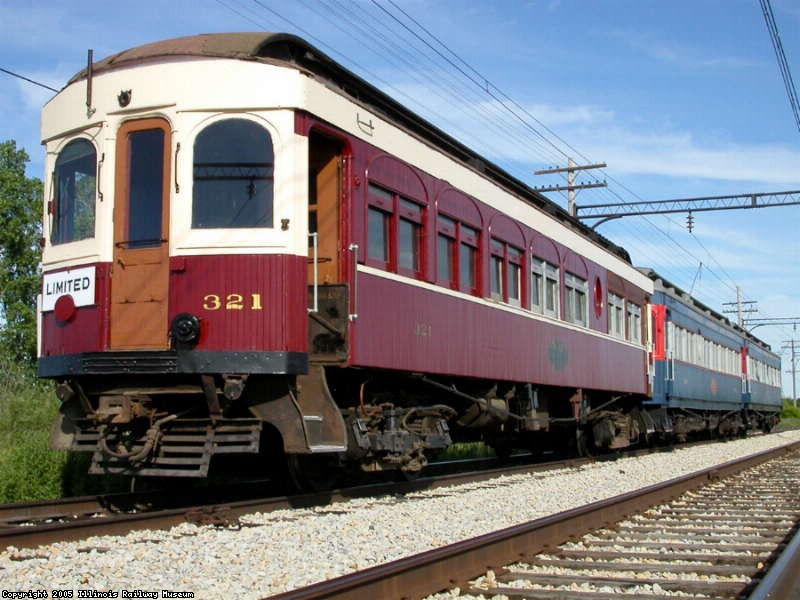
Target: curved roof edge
{"points": [[285, 48]]}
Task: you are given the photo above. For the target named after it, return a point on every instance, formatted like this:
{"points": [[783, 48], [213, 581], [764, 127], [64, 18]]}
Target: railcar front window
{"points": [[146, 184], [75, 191], [233, 176]]}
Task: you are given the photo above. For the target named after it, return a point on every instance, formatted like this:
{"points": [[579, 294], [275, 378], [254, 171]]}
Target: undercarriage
{"points": [[333, 419]]}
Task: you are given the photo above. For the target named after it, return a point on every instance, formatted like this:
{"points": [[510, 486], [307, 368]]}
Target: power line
{"points": [[47, 87], [431, 49], [783, 65]]}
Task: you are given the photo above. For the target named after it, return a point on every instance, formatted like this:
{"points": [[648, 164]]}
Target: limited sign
{"points": [[78, 283]]}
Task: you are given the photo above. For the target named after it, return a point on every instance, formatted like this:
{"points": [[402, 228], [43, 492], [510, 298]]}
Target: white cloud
{"points": [[682, 56], [637, 148], [680, 154]]}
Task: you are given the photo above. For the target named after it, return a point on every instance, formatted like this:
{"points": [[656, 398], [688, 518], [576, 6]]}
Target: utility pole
{"points": [[571, 169], [742, 307], [793, 346]]}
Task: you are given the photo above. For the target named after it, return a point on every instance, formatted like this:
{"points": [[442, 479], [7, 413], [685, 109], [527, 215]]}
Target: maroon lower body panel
{"points": [[406, 327], [253, 302], [244, 302]]}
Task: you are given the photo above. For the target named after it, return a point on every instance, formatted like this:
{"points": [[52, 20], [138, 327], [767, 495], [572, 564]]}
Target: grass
{"points": [[465, 450], [29, 469], [790, 417]]}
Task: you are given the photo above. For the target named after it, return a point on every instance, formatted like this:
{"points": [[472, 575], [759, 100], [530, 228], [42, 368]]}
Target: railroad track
{"points": [[709, 543], [703, 534], [26, 525]]}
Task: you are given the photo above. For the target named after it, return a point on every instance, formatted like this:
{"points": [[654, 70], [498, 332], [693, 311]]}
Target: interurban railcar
{"points": [[710, 373], [249, 248]]}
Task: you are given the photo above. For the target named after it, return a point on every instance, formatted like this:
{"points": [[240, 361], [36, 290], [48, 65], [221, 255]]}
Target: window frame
{"points": [[55, 235], [469, 238], [616, 315], [552, 275], [575, 288], [633, 314], [505, 266], [397, 209], [447, 231], [270, 167]]}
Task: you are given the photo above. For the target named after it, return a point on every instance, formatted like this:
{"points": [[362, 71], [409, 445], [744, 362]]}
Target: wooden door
{"points": [[325, 193], [140, 273]]}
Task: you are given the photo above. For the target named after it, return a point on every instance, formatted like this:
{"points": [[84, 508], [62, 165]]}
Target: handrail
{"points": [[354, 315], [314, 237]]}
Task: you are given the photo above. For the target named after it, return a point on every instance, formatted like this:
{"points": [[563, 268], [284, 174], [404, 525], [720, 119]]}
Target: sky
{"points": [[681, 99]]}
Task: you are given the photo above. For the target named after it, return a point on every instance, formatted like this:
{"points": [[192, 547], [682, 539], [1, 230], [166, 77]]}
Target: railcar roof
{"points": [[283, 48], [662, 285]]}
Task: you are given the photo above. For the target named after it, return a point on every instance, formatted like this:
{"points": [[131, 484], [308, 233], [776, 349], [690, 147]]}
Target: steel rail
{"points": [[454, 565], [82, 517], [783, 577], [223, 514]]}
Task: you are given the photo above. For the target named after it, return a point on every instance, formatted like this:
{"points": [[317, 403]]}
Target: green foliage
{"points": [[789, 410], [465, 450], [29, 470], [20, 254]]}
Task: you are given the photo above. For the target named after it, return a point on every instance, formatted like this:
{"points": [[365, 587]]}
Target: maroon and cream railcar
{"points": [[246, 242]]}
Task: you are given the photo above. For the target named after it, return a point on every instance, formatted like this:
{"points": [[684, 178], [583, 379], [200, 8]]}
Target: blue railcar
{"points": [[708, 373]]}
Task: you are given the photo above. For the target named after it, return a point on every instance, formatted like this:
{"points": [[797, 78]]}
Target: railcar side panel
{"points": [[417, 329]]}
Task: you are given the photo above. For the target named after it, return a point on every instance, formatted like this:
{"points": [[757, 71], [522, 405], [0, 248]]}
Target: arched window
{"points": [[233, 176], [75, 193]]}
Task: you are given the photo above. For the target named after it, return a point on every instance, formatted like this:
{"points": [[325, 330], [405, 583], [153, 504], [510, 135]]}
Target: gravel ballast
{"points": [[281, 550]]}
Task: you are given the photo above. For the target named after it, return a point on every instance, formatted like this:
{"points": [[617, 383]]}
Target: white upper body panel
{"points": [[190, 93]]}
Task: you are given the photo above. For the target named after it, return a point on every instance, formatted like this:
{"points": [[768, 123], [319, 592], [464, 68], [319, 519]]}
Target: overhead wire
{"points": [[547, 150], [29, 80], [783, 64]]}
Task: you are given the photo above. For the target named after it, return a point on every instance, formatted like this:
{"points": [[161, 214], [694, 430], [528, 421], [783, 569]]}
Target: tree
{"points": [[20, 255]]}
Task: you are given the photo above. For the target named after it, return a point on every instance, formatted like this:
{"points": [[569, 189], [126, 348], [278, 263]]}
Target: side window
{"points": [[446, 258], [378, 248], [634, 322], [409, 236], [537, 284], [75, 181], [233, 176], [467, 259], [616, 315], [505, 272], [551, 291], [576, 296], [394, 232], [496, 279]]}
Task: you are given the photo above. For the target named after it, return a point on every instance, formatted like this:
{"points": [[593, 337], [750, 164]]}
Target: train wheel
{"points": [[583, 444], [314, 472]]}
